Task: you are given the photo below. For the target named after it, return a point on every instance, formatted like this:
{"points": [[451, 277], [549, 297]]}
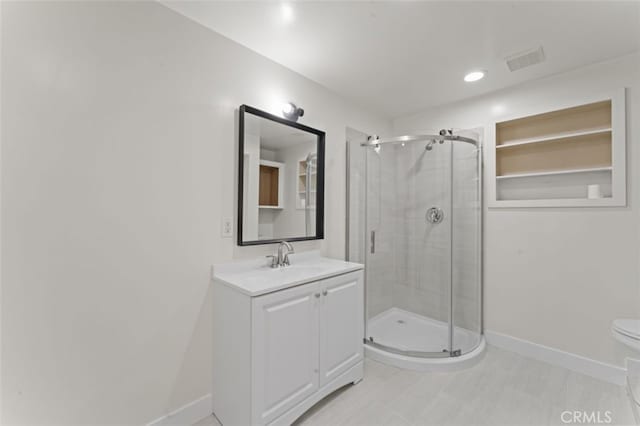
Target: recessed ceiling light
{"points": [[474, 76], [287, 12]]}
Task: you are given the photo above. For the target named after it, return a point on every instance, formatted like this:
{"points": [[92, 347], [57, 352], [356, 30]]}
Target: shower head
{"points": [[430, 144]]}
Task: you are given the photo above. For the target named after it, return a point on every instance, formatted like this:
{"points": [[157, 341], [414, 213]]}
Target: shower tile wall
{"points": [[423, 251]]}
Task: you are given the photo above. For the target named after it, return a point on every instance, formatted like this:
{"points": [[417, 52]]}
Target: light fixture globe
{"points": [[291, 112], [288, 108]]}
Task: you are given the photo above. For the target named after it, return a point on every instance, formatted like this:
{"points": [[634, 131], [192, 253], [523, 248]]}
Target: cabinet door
{"points": [[285, 352], [341, 324]]}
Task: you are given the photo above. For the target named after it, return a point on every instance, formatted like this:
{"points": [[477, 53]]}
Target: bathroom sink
{"points": [[300, 269], [256, 277]]}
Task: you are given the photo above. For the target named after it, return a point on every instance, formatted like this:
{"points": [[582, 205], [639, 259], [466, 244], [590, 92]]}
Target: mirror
{"points": [[280, 180]]}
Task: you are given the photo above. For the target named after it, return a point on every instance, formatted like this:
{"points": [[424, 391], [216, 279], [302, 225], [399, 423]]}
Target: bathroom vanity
{"points": [[284, 338]]}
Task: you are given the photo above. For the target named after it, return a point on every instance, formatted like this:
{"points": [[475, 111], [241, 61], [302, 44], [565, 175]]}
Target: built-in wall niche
{"points": [[567, 157], [271, 185]]}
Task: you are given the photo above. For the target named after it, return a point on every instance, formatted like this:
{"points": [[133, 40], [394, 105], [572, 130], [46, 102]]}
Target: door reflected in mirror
{"points": [[281, 190]]}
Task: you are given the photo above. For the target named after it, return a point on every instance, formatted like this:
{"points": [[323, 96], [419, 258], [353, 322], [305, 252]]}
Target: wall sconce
{"points": [[291, 111]]}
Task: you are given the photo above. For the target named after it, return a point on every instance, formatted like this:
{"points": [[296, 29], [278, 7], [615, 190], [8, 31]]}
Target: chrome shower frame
{"points": [[375, 140]]}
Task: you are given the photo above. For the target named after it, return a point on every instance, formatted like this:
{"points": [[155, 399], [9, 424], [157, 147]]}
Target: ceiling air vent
{"points": [[524, 59]]}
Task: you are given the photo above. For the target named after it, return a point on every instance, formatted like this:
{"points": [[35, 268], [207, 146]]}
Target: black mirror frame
{"points": [[319, 182]]}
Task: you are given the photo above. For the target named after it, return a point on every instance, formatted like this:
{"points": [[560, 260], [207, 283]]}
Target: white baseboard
{"points": [[589, 367], [188, 414]]}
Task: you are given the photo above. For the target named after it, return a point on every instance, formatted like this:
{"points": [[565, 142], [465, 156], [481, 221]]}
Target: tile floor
{"points": [[503, 389]]}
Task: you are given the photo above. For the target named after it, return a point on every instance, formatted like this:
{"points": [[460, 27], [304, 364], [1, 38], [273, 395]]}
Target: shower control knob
{"points": [[435, 215]]}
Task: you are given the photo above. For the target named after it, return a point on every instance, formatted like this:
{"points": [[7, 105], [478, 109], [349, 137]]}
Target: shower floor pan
{"points": [[407, 331]]}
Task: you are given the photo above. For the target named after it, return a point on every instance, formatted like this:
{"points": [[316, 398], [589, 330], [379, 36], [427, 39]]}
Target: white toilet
{"points": [[627, 331]]}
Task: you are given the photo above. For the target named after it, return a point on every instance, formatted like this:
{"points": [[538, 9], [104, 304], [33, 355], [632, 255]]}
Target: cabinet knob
{"points": [[325, 292], [317, 294]]}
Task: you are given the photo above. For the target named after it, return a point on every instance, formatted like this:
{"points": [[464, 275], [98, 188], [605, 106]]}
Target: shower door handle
{"points": [[373, 242]]}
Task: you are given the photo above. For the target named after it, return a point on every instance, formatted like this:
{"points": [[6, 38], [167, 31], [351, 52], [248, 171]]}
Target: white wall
{"points": [[558, 276], [118, 164], [251, 185]]}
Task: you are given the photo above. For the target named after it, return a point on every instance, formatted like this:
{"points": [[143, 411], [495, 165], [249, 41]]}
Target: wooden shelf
{"points": [[596, 115], [588, 151], [270, 184], [555, 172], [556, 202], [555, 137]]}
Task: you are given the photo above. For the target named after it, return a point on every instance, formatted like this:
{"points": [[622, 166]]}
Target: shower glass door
{"points": [[409, 215], [466, 234]]}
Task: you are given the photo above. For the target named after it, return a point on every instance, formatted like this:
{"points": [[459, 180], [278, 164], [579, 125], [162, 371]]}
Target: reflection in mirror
{"points": [[281, 171]]}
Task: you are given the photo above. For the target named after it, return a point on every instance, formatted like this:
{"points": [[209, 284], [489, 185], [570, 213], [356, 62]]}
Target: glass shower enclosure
{"points": [[414, 220]]}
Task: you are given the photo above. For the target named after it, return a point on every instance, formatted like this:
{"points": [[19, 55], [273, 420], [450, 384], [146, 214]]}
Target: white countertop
{"points": [[256, 277]]}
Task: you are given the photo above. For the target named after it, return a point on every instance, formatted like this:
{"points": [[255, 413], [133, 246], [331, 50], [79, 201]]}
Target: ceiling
{"points": [[399, 57]]}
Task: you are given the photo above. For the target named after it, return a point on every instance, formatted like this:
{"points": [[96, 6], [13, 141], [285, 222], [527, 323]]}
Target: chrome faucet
{"points": [[282, 259]]}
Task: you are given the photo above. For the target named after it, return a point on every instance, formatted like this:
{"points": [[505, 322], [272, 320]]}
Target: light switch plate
{"points": [[227, 227]]}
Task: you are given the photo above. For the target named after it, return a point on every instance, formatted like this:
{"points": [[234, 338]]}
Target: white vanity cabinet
{"points": [[285, 350], [277, 353], [341, 325]]}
